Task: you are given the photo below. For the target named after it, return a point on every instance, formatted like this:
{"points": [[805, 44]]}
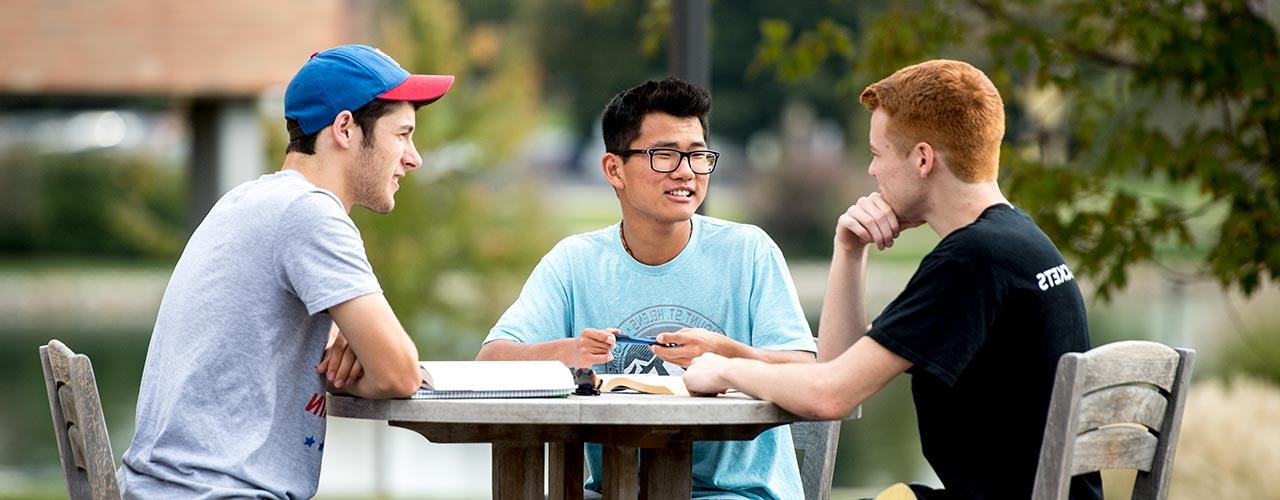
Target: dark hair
{"points": [[365, 117], [625, 112]]}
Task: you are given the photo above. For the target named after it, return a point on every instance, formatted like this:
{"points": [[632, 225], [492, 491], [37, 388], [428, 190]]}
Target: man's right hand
{"points": [[705, 375], [339, 363], [870, 220], [593, 347], [387, 355]]}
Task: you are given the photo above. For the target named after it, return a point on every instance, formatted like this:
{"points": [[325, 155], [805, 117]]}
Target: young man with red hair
{"points": [[981, 324]]}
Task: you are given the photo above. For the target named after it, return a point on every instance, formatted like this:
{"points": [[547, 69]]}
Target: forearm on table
{"points": [[391, 376], [803, 389], [844, 314], [387, 355], [509, 350], [369, 388], [770, 356], [826, 390]]}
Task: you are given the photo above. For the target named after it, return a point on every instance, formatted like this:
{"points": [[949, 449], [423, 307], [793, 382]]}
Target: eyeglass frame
{"points": [[684, 156]]}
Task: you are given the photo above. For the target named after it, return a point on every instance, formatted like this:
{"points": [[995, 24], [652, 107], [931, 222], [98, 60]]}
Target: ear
{"points": [[927, 158], [611, 166], [344, 129]]}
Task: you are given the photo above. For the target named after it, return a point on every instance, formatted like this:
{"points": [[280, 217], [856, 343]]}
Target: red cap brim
{"points": [[419, 88]]}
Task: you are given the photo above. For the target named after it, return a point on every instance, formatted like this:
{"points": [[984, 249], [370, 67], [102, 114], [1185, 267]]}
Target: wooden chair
{"points": [[816, 444], [83, 445], [1118, 406]]}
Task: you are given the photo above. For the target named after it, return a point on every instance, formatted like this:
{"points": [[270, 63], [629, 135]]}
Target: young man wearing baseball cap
{"points": [[246, 342]]}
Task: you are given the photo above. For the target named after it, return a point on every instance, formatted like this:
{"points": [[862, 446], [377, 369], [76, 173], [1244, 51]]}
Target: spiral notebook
{"points": [[494, 379]]}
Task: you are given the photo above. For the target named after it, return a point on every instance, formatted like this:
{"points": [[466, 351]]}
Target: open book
{"points": [[494, 379], [648, 384]]}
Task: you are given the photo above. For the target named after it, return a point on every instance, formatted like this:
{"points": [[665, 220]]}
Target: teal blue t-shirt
{"points": [[730, 278]]}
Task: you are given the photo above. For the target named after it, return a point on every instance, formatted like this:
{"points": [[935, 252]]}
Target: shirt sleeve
{"points": [[320, 257], [940, 320], [541, 312], [777, 321]]}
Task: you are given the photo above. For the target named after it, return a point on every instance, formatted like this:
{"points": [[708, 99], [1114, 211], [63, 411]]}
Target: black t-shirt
{"points": [[983, 322]]}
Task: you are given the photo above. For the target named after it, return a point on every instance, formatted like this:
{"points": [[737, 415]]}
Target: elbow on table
{"points": [[828, 402], [399, 385], [399, 381], [490, 351], [828, 410], [408, 383]]}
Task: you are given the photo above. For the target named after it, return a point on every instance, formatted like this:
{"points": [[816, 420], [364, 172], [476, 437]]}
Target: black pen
{"points": [[642, 340]]}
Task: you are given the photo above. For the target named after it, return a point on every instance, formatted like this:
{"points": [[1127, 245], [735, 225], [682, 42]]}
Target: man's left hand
{"points": [[692, 342], [705, 376]]}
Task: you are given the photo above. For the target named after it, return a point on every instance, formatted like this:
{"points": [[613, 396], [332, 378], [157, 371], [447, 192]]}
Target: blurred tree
{"points": [[1252, 352], [589, 54], [463, 235], [1133, 125], [592, 49], [97, 203]]}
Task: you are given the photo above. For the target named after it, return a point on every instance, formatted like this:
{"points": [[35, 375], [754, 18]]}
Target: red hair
{"points": [[951, 105]]}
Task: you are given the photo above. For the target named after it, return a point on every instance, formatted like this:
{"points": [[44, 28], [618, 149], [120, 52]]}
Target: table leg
{"points": [[517, 471], [667, 472], [621, 472], [565, 463]]}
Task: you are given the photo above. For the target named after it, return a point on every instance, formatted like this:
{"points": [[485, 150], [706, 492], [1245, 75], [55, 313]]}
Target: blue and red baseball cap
{"points": [[348, 77]]}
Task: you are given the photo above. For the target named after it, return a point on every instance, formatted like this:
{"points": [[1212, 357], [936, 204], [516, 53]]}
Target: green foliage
{"points": [[99, 203], [454, 252], [452, 258], [803, 56], [1107, 99], [1252, 353], [655, 22], [592, 49], [589, 52], [494, 100]]}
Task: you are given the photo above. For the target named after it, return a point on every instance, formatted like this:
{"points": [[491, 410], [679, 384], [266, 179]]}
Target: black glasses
{"points": [[667, 160]]}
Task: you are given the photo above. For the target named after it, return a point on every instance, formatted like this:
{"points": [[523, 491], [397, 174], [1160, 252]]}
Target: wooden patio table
{"points": [[647, 439]]}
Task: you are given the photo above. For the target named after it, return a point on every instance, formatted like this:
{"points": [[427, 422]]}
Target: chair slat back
{"points": [[1129, 362], [1118, 406], [81, 431], [816, 444], [67, 399], [1139, 404], [1120, 447]]}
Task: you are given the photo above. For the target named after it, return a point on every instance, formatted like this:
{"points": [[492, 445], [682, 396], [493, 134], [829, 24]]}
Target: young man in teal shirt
{"points": [[703, 284]]}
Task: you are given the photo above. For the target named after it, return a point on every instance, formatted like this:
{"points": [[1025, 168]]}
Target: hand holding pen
{"points": [[627, 339], [593, 347], [690, 343]]}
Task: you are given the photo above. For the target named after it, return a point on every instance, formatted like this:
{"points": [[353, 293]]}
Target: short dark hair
{"points": [[626, 111], [365, 117]]}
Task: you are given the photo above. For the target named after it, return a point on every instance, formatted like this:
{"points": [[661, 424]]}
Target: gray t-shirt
{"points": [[230, 403]]}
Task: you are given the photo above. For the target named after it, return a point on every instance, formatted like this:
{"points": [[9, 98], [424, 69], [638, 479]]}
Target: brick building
{"points": [[211, 59]]}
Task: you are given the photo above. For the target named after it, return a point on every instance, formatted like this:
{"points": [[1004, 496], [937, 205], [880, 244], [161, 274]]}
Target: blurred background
{"points": [[1144, 137]]}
